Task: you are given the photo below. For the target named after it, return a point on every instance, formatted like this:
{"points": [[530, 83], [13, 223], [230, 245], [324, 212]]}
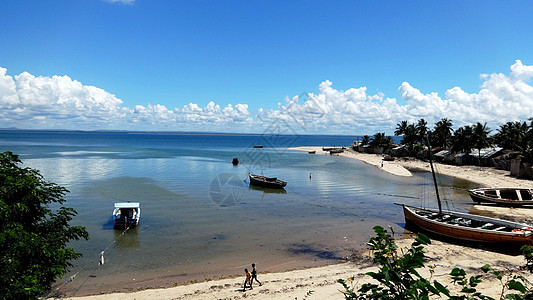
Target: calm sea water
{"points": [[200, 218]]}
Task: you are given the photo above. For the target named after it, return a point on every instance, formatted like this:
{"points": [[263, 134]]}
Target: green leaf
{"points": [[441, 288], [516, 285]]}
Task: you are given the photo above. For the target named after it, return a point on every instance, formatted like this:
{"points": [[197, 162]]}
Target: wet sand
{"points": [[322, 280]]}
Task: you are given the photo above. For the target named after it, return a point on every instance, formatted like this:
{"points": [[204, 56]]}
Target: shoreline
{"points": [[322, 280]]}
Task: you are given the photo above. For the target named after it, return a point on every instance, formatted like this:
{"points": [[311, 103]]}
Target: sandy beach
{"points": [[321, 282]]}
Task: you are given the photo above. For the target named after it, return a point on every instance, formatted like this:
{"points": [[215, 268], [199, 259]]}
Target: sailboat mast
{"points": [[434, 178]]}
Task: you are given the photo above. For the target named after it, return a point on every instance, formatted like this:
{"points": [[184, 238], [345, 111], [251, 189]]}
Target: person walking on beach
{"points": [[254, 276], [248, 280]]}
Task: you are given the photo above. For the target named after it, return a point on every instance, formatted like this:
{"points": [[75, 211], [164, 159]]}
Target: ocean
{"points": [[200, 218]]}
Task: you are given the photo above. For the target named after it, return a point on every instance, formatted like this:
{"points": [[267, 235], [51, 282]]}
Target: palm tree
{"points": [[442, 133], [380, 140], [481, 137], [462, 140], [421, 130], [401, 128], [512, 135], [366, 140]]}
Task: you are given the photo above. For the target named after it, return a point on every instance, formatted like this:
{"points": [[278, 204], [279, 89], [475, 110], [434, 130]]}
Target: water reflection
{"points": [[128, 239], [266, 190]]}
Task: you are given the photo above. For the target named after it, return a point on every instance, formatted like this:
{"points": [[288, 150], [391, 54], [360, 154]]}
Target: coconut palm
{"points": [[421, 130], [512, 135], [463, 140], [442, 133], [401, 128], [380, 140], [481, 137]]}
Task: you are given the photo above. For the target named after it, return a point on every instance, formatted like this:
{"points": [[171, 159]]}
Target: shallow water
{"points": [[200, 218]]}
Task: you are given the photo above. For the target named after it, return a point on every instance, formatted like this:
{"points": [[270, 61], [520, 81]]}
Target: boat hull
{"points": [[266, 182], [521, 235], [503, 196]]}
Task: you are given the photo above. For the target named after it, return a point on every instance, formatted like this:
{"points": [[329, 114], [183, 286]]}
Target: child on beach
{"points": [[248, 280], [254, 275]]}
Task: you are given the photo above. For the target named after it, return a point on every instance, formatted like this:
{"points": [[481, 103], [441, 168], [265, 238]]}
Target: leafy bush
{"points": [[33, 238], [398, 277]]}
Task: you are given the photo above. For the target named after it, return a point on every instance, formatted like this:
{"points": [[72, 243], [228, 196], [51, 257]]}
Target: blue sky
{"points": [[237, 65]]}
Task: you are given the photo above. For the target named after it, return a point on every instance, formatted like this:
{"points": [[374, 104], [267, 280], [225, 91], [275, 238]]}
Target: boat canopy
{"points": [[127, 205]]}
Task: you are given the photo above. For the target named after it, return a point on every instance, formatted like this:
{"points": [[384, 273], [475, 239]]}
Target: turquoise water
{"points": [[200, 219]]}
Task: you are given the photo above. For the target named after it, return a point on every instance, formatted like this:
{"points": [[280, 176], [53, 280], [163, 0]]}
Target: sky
{"points": [[303, 67]]}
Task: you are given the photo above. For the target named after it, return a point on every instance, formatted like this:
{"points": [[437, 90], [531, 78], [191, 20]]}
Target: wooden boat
{"points": [[465, 226], [469, 227], [327, 149], [388, 158], [126, 214], [267, 182], [506, 196], [336, 151], [311, 152]]}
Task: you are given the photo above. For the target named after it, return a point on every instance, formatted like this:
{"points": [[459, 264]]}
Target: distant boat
{"points": [[333, 148], [388, 158], [336, 151], [267, 182], [235, 161], [258, 146], [506, 196], [126, 214], [311, 152], [465, 226]]}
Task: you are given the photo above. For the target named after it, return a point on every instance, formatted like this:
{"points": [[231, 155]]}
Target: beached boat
{"points": [[336, 151], [505, 196], [465, 226], [267, 182], [469, 227], [126, 214], [327, 149]]}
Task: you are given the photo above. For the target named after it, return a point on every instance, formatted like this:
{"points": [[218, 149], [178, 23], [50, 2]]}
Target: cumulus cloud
{"points": [[27, 101]]}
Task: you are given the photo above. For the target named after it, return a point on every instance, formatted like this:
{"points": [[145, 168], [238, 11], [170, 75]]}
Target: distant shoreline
{"points": [[484, 176]]}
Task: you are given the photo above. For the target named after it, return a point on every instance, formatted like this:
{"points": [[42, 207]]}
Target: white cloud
{"points": [[27, 101]]}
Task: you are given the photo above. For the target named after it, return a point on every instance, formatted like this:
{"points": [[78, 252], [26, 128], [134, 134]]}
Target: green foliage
{"points": [[398, 277], [366, 140], [33, 238], [441, 136], [380, 140], [527, 251]]}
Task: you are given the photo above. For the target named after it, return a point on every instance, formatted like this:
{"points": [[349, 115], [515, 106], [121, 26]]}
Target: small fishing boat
{"points": [[267, 182], [126, 214], [388, 158], [258, 146], [469, 227], [336, 151], [311, 152], [325, 149], [506, 196]]}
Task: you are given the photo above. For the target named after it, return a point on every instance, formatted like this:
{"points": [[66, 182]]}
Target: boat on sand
{"points": [[505, 196]]}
